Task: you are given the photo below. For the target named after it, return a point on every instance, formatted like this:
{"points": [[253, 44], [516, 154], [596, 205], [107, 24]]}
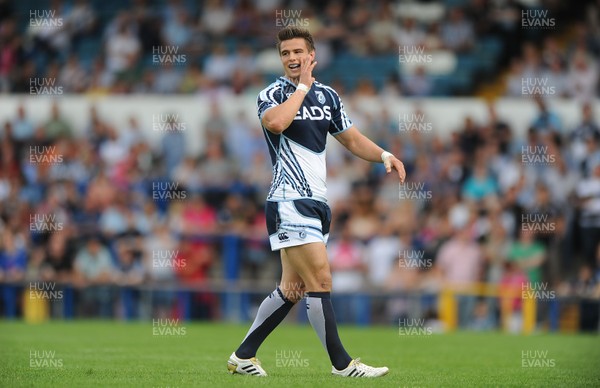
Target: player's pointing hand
{"points": [[391, 162]]}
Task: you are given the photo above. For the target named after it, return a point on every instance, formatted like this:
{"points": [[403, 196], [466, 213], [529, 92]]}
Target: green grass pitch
{"points": [[115, 354]]}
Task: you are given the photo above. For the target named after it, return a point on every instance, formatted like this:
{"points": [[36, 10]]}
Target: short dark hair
{"points": [[292, 32]]}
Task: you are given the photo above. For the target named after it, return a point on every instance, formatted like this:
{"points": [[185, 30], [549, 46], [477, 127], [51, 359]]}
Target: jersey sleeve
{"points": [[339, 119], [268, 98]]}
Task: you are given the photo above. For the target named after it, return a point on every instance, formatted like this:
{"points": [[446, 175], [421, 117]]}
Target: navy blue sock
{"points": [[321, 317], [271, 312]]}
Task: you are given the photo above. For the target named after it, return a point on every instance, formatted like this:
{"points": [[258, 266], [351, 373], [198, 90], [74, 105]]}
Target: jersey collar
{"points": [[287, 81]]}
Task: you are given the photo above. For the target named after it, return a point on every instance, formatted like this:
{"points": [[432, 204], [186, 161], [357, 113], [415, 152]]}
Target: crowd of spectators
{"points": [[567, 72], [484, 209], [104, 206], [177, 47], [100, 206]]}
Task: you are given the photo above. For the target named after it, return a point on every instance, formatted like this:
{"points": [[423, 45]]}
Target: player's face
{"points": [[292, 52]]}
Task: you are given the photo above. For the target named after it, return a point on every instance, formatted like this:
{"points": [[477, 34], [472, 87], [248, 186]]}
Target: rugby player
{"points": [[296, 113]]}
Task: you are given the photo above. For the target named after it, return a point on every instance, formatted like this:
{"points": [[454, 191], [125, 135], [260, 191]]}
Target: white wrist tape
{"points": [[302, 87], [385, 157]]}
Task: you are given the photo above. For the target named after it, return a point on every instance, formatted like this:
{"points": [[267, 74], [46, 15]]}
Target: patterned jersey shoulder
{"points": [[269, 97], [329, 93], [339, 118]]}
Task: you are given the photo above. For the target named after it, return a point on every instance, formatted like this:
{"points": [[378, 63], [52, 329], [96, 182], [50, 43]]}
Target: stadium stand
{"points": [[183, 234]]}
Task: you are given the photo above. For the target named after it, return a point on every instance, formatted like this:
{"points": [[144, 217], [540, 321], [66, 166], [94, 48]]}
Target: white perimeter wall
{"points": [[445, 114]]}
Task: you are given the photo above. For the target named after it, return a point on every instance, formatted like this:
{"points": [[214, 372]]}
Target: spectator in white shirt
{"points": [[583, 78], [410, 34], [122, 50], [457, 32], [216, 18], [219, 65]]}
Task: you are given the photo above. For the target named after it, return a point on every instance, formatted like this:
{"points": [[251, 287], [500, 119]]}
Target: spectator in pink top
{"points": [[198, 218], [348, 271], [459, 261], [511, 286]]}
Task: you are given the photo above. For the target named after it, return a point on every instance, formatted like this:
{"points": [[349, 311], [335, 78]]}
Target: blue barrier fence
{"points": [[235, 303], [233, 300]]}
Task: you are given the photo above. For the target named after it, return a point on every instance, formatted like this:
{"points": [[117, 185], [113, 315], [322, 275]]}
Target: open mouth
{"points": [[294, 66]]}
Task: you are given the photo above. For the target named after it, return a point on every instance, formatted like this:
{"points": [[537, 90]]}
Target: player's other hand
{"points": [[393, 163], [306, 67]]}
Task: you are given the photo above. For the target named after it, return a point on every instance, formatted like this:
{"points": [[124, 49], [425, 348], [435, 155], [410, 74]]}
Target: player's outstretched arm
{"points": [[279, 118], [364, 148]]}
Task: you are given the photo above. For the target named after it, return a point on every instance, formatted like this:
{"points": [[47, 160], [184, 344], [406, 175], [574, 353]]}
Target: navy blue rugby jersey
{"points": [[298, 154]]}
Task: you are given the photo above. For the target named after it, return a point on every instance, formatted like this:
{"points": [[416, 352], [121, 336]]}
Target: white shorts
{"points": [[297, 222]]}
